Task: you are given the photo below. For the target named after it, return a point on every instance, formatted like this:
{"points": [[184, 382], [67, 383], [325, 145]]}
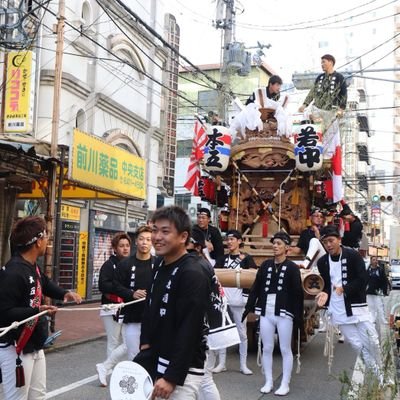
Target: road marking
{"points": [[70, 387]]}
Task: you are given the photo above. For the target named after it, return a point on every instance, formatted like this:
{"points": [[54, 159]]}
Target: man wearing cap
{"points": [[309, 243], [235, 297], [344, 293], [277, 296], [351, 236], [212, 236]]}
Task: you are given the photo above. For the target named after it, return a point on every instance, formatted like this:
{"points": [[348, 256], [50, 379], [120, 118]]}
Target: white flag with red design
{"points": [[337, 182], [194, 173]]}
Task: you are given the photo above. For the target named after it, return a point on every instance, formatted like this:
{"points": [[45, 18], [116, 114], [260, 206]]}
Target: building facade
{"points": [[115, 88]]}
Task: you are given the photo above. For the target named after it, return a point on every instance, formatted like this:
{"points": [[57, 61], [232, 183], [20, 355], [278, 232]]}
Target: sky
{"points": [[294, 29], [358, 33], [299, 32]]}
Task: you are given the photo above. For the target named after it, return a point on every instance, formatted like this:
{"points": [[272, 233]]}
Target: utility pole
{"points": [[51, 200], [227, 24]]}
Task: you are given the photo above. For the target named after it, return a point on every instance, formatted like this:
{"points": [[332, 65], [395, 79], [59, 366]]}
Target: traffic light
{"points": [[376, 198], [385, 198]]}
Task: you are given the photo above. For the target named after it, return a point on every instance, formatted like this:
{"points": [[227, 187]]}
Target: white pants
{"points": [[131, 337], [314, 246], [189, 390], [237, 312], [113, 330], [363, 338], [208, 390], [377, 308], [128, 348], [268, 324], [35, 375]]}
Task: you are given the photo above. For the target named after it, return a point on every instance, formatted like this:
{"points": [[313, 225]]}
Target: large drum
{"points": [[312, 281], [238, 278]]}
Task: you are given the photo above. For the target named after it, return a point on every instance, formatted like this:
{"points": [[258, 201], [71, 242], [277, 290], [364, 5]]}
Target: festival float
{"points": [[264, 173]]}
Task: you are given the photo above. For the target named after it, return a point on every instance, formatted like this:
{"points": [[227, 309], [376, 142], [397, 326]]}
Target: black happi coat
{"points": [[17, 291], [106, 278], [377, 281], [173, 323], [131, 275], [213, 235], [354, 279], [289, 298]]}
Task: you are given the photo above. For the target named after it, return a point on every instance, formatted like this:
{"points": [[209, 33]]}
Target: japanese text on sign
{"points": [[107, 167], [18, 96]]}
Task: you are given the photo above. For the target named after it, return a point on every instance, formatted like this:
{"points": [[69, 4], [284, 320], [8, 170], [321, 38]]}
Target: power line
{"points": [[176, 92], [164, 42], [321, 26]]}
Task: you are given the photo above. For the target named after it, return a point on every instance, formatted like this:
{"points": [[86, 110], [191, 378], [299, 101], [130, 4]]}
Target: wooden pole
{"points": [[54, 138]]}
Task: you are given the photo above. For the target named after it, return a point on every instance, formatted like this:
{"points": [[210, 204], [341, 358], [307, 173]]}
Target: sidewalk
{"points": [[77, 326]]}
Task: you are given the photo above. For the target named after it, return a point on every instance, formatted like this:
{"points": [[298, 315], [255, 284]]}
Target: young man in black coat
{"points": [[173, 325], [351, 236], [121, 245], [212, 236], [277, 296], [131, 281], [236, 297], [377, 288], [22, 286], [344, 293]]}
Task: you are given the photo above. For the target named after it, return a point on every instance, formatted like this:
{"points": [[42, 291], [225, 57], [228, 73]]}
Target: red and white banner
{"points": [[337, 181], [193, 173]]}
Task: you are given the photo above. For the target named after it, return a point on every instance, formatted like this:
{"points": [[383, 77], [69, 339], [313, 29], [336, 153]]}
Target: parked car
{"points": [[395, 275]]}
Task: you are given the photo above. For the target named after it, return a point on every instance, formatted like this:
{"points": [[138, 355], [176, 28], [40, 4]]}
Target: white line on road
{"points": [[70, 387]]}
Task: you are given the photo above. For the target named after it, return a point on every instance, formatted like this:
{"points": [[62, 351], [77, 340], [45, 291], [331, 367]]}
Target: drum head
{"points": [[130, 381]]}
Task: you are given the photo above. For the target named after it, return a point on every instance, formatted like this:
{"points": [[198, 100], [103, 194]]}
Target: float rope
{"points": [[106, 307], [329, 346]]}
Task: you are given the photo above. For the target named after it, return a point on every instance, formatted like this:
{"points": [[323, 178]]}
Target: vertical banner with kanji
{"points": [[82, 263], [308, 148], [19, 96]]}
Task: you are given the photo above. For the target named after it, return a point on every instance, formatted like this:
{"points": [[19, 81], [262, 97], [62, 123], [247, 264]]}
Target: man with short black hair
{"points": [[309, 237], [173, 325], [277, 297], [351, 236], [272, 90], [329, 90], [22, 285], [121, 246], [236, 298], [377, 288], [131, 281], [343, 271], [212, 236]]}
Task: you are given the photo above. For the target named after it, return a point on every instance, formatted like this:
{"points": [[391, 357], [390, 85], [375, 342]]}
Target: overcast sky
{"points": [[293, 28]]}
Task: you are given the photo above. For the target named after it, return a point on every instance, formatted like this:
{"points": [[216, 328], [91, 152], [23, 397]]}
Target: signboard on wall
{"points": [[82, 263], [70, 213], [18, 111], [106, 167]]}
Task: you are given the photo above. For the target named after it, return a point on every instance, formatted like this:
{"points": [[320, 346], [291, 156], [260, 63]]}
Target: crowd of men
{"points": [[176, 286], [171, 278]]}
